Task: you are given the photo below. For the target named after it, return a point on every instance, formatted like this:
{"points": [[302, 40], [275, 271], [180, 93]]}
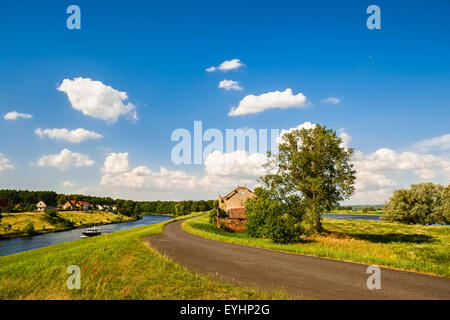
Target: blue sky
{"points": [[393, 85]]}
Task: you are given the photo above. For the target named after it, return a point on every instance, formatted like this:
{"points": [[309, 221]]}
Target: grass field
{"points": [[377, 212], [11, 223], [409, 247], [119, 265]]}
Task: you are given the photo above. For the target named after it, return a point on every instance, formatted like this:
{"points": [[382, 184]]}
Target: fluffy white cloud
{"points": [[237, 163], [14, 115], [226, 65], [346, 138], [381, 172], [65, 159], [331, 100], [275, 99], [68, 184], [97, 100], [118, 174], [5, 164], [441, 143], [75, 136], [229, 85], [222, 172]]}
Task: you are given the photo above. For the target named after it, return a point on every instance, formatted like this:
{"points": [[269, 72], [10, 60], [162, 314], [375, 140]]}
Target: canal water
{"points": [[15, 245]]}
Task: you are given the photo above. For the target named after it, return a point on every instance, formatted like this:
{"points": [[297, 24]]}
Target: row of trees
{"points": [[424, 203], [24, 200], [133, 208]]}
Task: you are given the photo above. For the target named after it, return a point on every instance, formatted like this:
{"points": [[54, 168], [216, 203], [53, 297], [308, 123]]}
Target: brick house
{"points": [[233, 204]]}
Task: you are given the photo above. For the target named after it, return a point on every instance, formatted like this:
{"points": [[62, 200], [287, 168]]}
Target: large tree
{"points": [[423, 203], [311, 173]]}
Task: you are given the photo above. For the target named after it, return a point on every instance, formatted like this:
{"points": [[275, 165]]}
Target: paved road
{"points": [[300, 276]]}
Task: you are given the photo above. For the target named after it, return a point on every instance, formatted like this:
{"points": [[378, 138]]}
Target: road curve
{"points": [[300, 276]]}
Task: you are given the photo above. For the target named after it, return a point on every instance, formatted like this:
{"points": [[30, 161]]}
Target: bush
{"points": [[28, 228], [267, 218], [51, 216], [424, 203], [366, 209]]}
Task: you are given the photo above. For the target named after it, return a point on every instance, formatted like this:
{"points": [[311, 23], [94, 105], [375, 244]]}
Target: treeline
{"points": [[165, 207], [24, 200]]}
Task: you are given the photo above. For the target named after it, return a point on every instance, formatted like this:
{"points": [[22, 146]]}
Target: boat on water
{"points": [[91, 232]]}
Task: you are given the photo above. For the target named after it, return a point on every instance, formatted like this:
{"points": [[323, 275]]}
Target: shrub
{"points": [[51, 216], [28, 228], [267, 218], [424, 203]]}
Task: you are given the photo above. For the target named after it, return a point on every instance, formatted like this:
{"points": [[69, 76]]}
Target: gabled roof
{"points": [[235, 191]]}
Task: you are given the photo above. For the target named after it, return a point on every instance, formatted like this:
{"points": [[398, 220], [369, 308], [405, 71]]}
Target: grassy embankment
{"points": [[118, 265], [11, 224], [408, 247]]}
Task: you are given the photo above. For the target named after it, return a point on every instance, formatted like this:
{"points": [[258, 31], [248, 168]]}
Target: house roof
{"points": [[237, 213], [232, 193]]}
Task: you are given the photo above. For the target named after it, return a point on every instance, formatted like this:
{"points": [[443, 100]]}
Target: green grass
{"points": [[377, 212], [408, 247], [11, 223], [119, 265]]}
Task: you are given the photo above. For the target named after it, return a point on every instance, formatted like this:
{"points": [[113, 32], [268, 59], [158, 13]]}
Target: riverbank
{"points": [[159, 214], [408, 247], [11, 224], [118, 265]]}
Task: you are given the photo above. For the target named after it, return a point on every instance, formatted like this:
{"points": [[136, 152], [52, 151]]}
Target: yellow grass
{"points": [[12, 223]]}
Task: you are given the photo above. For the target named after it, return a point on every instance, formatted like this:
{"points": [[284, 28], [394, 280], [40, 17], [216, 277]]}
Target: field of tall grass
{"points": [[409, 247], [11, 224], [118, 265]]}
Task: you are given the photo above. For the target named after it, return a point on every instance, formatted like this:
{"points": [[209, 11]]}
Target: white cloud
{"points": [[68, 184], [254, 104], [65, 159], [14, 115], [222, 172], [226, 65], [381, 172], [346, 138], [5, 164], [118, 174], [229, 85], [237, 163], [97, 100], [74, 136], [305, 125], [331, 100], [441, 143]]}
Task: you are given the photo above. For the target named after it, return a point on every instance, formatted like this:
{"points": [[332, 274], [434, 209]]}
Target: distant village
{"points": [[74, 205]]}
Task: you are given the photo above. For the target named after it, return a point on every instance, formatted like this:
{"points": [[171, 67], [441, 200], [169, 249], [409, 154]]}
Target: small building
{"points": [[100, 207], [86, 206], [41, 206], [72, 205], [233, 205]]}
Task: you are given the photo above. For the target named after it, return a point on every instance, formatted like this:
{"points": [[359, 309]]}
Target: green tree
{"points": [[311, 174], [424, 203]]}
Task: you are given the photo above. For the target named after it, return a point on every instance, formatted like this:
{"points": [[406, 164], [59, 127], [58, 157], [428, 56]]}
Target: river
{"points": [[15, 245]]}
